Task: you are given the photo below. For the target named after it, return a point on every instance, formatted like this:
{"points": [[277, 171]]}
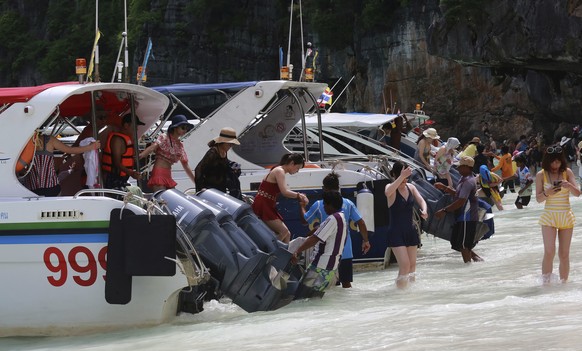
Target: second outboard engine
{"points": [[242, 213], [251, 282]]}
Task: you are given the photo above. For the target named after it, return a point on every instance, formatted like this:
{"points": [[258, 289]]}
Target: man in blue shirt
{"points": [[317, 214]]}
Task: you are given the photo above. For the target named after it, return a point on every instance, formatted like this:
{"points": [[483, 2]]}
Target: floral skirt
{"points": [[162, 177]]}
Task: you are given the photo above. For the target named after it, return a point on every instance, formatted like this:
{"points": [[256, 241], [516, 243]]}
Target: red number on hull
{"points": [[80, 259], [60, 267]]}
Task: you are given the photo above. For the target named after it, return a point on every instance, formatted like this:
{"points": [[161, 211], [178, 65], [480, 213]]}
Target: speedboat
{"points": [[105, 259], [264, 113], [270, 118], [78, 264]]}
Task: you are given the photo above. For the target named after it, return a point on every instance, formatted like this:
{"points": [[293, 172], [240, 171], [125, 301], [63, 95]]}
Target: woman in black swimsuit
{"points": [[402, 235]]}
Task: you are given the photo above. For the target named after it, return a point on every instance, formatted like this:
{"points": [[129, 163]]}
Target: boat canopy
{"points": [[191, 89], [360, 120], [23, 94]]}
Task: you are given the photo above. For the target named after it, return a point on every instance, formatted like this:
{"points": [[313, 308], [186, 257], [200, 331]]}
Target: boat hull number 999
{"points": [[78, 264]]}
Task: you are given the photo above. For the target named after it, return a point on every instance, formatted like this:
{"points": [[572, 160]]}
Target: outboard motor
{"points": [[244, 244], [242, 213], [251, 282]]}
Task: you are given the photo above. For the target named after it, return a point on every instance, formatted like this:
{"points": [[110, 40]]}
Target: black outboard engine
{"points": [[245, 245], [242, 213], [251, 282]]}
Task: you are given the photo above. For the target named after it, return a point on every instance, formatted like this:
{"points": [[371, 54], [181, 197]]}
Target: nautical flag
{"points": [[92, 60], [145, 60], [325, 98], [280, 57], [315, 59]]}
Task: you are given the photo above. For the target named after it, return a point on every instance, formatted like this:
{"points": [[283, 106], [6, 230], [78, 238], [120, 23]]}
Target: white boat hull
{"points": [[53, 273]]}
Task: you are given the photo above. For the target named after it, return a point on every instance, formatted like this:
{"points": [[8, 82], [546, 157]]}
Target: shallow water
{"points": [[496, 304]]}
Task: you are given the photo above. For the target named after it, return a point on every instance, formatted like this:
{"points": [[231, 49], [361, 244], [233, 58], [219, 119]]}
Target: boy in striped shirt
{"points": [[328, 242]]}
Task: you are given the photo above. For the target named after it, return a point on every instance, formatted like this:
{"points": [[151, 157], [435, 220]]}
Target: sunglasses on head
{"points": [[554, 150]]}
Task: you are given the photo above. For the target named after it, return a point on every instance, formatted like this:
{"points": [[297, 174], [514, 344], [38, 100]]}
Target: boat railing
{"points": [[196, 272], [391, 152]]}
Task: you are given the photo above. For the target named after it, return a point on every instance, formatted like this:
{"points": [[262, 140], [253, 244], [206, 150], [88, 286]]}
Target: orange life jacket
{"points": [[126, 158]]}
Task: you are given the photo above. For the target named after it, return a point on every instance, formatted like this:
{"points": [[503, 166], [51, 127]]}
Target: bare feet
{"points": [[475, 257]]}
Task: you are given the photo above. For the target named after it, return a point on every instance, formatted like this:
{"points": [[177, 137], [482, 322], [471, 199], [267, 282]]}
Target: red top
{"points": [[265, 204]]}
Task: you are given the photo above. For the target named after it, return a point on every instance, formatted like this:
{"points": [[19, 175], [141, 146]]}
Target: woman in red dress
{"points": [[265, 204]]}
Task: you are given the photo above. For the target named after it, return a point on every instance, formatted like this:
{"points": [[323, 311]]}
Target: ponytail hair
{"points": [[292, 157]]}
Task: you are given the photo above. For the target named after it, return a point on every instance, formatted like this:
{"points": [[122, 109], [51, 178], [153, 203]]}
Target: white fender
{"points": [[365, 204]]}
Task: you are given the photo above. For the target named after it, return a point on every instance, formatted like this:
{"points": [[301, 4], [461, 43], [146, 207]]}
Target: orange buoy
{"points": [[25, 156]]}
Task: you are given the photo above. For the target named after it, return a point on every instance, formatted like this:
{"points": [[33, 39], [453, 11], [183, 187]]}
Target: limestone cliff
{"points": [[514, 64], [517, 67]]}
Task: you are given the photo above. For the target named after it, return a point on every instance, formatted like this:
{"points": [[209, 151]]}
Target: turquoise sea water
{"points": [[498, 304]]}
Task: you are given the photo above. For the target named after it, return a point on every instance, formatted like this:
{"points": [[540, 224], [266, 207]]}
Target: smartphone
{"points": [[558, 184]]}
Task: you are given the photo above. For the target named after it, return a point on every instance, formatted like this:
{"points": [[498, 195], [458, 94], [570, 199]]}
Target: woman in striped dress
{"points": [[42, 179], [554, 184]]}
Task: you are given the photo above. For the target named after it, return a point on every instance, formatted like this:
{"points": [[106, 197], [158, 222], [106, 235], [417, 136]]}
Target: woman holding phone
{"points": [[554, 184]]}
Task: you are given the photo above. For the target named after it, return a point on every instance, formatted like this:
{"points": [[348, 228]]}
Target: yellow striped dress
{"points": [[557, 211]]}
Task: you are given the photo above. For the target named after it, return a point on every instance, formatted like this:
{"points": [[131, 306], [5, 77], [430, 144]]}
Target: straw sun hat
{"points": [[227, 135], [465, 161], [431, 133]]}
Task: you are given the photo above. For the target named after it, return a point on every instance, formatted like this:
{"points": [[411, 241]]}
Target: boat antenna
{"points": [[337, 81], [303, 58], [290, 27], [117, 67], [125, 40], [97, 78], [341, 92], [289, 65]]}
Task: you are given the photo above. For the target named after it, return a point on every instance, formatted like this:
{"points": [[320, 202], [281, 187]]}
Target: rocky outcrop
{"points": [[515, 67], [512, 64]]}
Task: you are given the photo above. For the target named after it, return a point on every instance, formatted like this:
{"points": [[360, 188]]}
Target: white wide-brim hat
{"points": [[431, 133]]}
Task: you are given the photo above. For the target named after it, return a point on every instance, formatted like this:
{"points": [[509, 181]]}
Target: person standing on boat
{"points": [[424, 145], [169, 150], [42, 178], [443, 160], [554, 184], [328, 240], [117, 161], [317, 214], [466, 207], [403, 238], [265, 203], [215, 170]]}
